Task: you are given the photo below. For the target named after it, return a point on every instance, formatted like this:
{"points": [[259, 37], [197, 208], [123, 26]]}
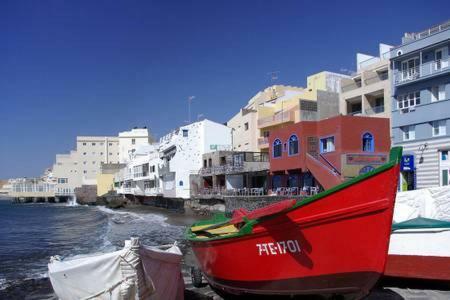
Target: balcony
{"points": [[376, 78], [263, 142], [277, 118], [375, 110], [351, 86], [422, 71]]}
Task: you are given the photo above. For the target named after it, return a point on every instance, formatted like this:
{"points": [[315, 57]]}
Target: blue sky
{"points": [[71, 68]]}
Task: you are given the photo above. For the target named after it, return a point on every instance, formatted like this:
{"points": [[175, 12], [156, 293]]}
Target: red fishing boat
{"points": [[335, 242]]}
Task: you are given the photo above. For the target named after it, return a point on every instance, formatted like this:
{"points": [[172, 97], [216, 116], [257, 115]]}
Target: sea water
{"points": [[31, 233]]}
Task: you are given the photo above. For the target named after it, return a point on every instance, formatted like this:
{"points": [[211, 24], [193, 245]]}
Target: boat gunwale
{"points": [[395, 156]]}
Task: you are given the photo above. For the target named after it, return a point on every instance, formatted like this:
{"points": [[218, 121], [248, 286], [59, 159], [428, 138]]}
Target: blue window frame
{"points": [[327, 144], [368, 144], [293, 145], [277, 148]]}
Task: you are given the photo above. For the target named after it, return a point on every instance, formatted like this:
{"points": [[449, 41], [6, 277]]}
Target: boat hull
{"points": [[337, 244], [420, 254]]}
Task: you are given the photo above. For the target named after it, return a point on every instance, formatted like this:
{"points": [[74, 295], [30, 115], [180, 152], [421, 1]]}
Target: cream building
{"points": [[244, 124], [367, 92], [318, 101], [81, 166]]}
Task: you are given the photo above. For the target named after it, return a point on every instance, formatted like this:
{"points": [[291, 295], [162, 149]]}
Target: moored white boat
{"points": [[420, 248], [132, 273]]}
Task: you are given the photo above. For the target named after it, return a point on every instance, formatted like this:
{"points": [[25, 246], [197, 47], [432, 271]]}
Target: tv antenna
{"points": [[190, 98], [273, 76]]}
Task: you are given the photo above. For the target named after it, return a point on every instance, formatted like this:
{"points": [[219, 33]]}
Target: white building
{"points": [[130, 140], [181, 152], [140, 177]]}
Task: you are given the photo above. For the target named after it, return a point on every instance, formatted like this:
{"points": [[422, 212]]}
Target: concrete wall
{"points": [[105, 183]]}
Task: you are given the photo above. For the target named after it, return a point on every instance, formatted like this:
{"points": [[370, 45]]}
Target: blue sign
{"points": [[407, 163]]}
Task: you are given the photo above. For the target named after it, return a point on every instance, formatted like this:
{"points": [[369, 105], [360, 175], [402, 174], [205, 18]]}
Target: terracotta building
{"points": [[324, 153]]}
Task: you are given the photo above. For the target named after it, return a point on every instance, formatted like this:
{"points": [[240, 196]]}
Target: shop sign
{"points": [[365, 159], [407, 163]]}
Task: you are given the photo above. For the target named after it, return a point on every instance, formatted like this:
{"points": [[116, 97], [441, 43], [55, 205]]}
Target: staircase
{"points": [[326, 174]]}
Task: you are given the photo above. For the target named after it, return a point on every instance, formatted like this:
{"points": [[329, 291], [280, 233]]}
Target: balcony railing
{"points": [[225, 169], [351, 86], [375, 110], [277, 118], [355, 112], [423, 70], [263, 141], [376, 78]]}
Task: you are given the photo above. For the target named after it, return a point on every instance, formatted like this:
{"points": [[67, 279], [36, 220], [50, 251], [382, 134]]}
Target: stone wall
{"points": [[86, 194]]}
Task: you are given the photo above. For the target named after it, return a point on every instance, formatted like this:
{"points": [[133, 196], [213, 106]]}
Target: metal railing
{"points": [[427, 32], [425, 69], [222, 191], [375, 110], [224, 169]]}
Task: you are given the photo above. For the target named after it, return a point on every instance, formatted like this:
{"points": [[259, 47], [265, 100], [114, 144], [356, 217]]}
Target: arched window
{"points": [[277, 148], [367, 142], [293, 145]]}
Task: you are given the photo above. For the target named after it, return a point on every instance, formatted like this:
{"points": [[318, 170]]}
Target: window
{"points": [[277, 148], [439, 128], [101, 153], [409, 133], [407, 101], [444, 155], [327, 144], [410, 69], [185, 133], [84, 171], [101, 144], [84, 162], [438, 93], [93, 162], [133, 141], [93, 144], [204, 163], [246, 126], [110, 153], [110, 144], [84, 153], [62, 180], [367, 142], [293, 145], [84, 144]]}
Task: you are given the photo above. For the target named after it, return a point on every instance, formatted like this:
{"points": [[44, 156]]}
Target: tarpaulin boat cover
{"points": [[135, 272], [432, 203]]}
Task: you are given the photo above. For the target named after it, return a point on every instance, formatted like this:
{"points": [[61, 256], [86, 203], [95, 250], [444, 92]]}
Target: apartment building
{"points": [[318, 101], [244, 124], [367, 92], [420, 69], [326, 152], [82, 165], [140, 176], [233, 173]]}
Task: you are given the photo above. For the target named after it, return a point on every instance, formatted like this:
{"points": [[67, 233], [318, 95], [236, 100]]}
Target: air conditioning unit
{"points": [[404, 110]]}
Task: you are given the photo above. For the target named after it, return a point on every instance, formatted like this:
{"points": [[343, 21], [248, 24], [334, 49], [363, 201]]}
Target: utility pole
{"points": [[190, 98]]}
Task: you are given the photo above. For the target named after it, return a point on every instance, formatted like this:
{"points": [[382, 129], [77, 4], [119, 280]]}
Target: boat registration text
{"points": [[277, 248]]}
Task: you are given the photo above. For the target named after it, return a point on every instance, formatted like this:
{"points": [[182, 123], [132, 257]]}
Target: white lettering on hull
{"points": [[277, 248]]}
